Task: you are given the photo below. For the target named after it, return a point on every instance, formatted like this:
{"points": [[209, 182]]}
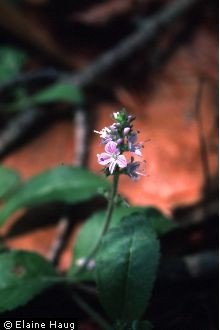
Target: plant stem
{"points": [[107, 221], [91, 312], [110, 209]]}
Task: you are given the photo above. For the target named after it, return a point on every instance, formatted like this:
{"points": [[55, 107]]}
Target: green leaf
{"points": [[91, 230], [89, 235], [9, 180], [23, 275], [11, 62], [58, 92], [62, 184], [161, 224], [126, 267]]}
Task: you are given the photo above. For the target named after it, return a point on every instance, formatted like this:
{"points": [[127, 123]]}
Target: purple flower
{"points": [[119, 141], [132, 138], [105, 135], [132, 147], [113, 128], [136, 148], [112, 157], [126, 130], [119, 138], [130, 118], [133, 169], [108, 134]]}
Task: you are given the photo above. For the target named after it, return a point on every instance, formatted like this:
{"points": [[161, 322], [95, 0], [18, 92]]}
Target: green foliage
{"points": [[91, 230], [126, 268], [9, 180], [89, 235], [11, 62], [23, 275], [59, 92], [65, 184]]}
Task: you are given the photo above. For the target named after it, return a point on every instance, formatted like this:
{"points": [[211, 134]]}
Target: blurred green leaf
{"points": [[11, 62], [64, 184], [23, 275], [126, 266], [58, 92], [9, 180]]}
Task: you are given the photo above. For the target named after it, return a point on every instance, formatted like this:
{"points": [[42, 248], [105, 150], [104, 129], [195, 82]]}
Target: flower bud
{"points": [[115, 115], [130, 118], [126, 130], [119, 141], [113, 128]]}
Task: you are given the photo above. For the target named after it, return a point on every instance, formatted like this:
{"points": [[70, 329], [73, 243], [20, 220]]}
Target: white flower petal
{"points": [[121, 161], [112, 166], [138, 152]]}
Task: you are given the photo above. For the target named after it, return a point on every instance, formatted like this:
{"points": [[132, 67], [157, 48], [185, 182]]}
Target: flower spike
{"points": [[119, 138]]}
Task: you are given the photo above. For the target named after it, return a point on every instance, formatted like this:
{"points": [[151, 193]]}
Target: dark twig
{"points": [[80, 137], [32, 76], [188, 267], [201, 263], [86, 288], [60, 240], [148, 30], [127, 47], [196, 214], [18, 127], [202, 139]]}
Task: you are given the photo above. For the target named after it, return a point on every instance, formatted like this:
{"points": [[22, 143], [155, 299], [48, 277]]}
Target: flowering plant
{"points": [[119, 253], [118, 139], [117, 250]]}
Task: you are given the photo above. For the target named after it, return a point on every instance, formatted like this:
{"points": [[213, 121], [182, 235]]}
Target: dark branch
{"points": [[188, 267], [202, 139], [17, 127], [32, 76], [149, 29], [127, 47], [80, 137]]}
